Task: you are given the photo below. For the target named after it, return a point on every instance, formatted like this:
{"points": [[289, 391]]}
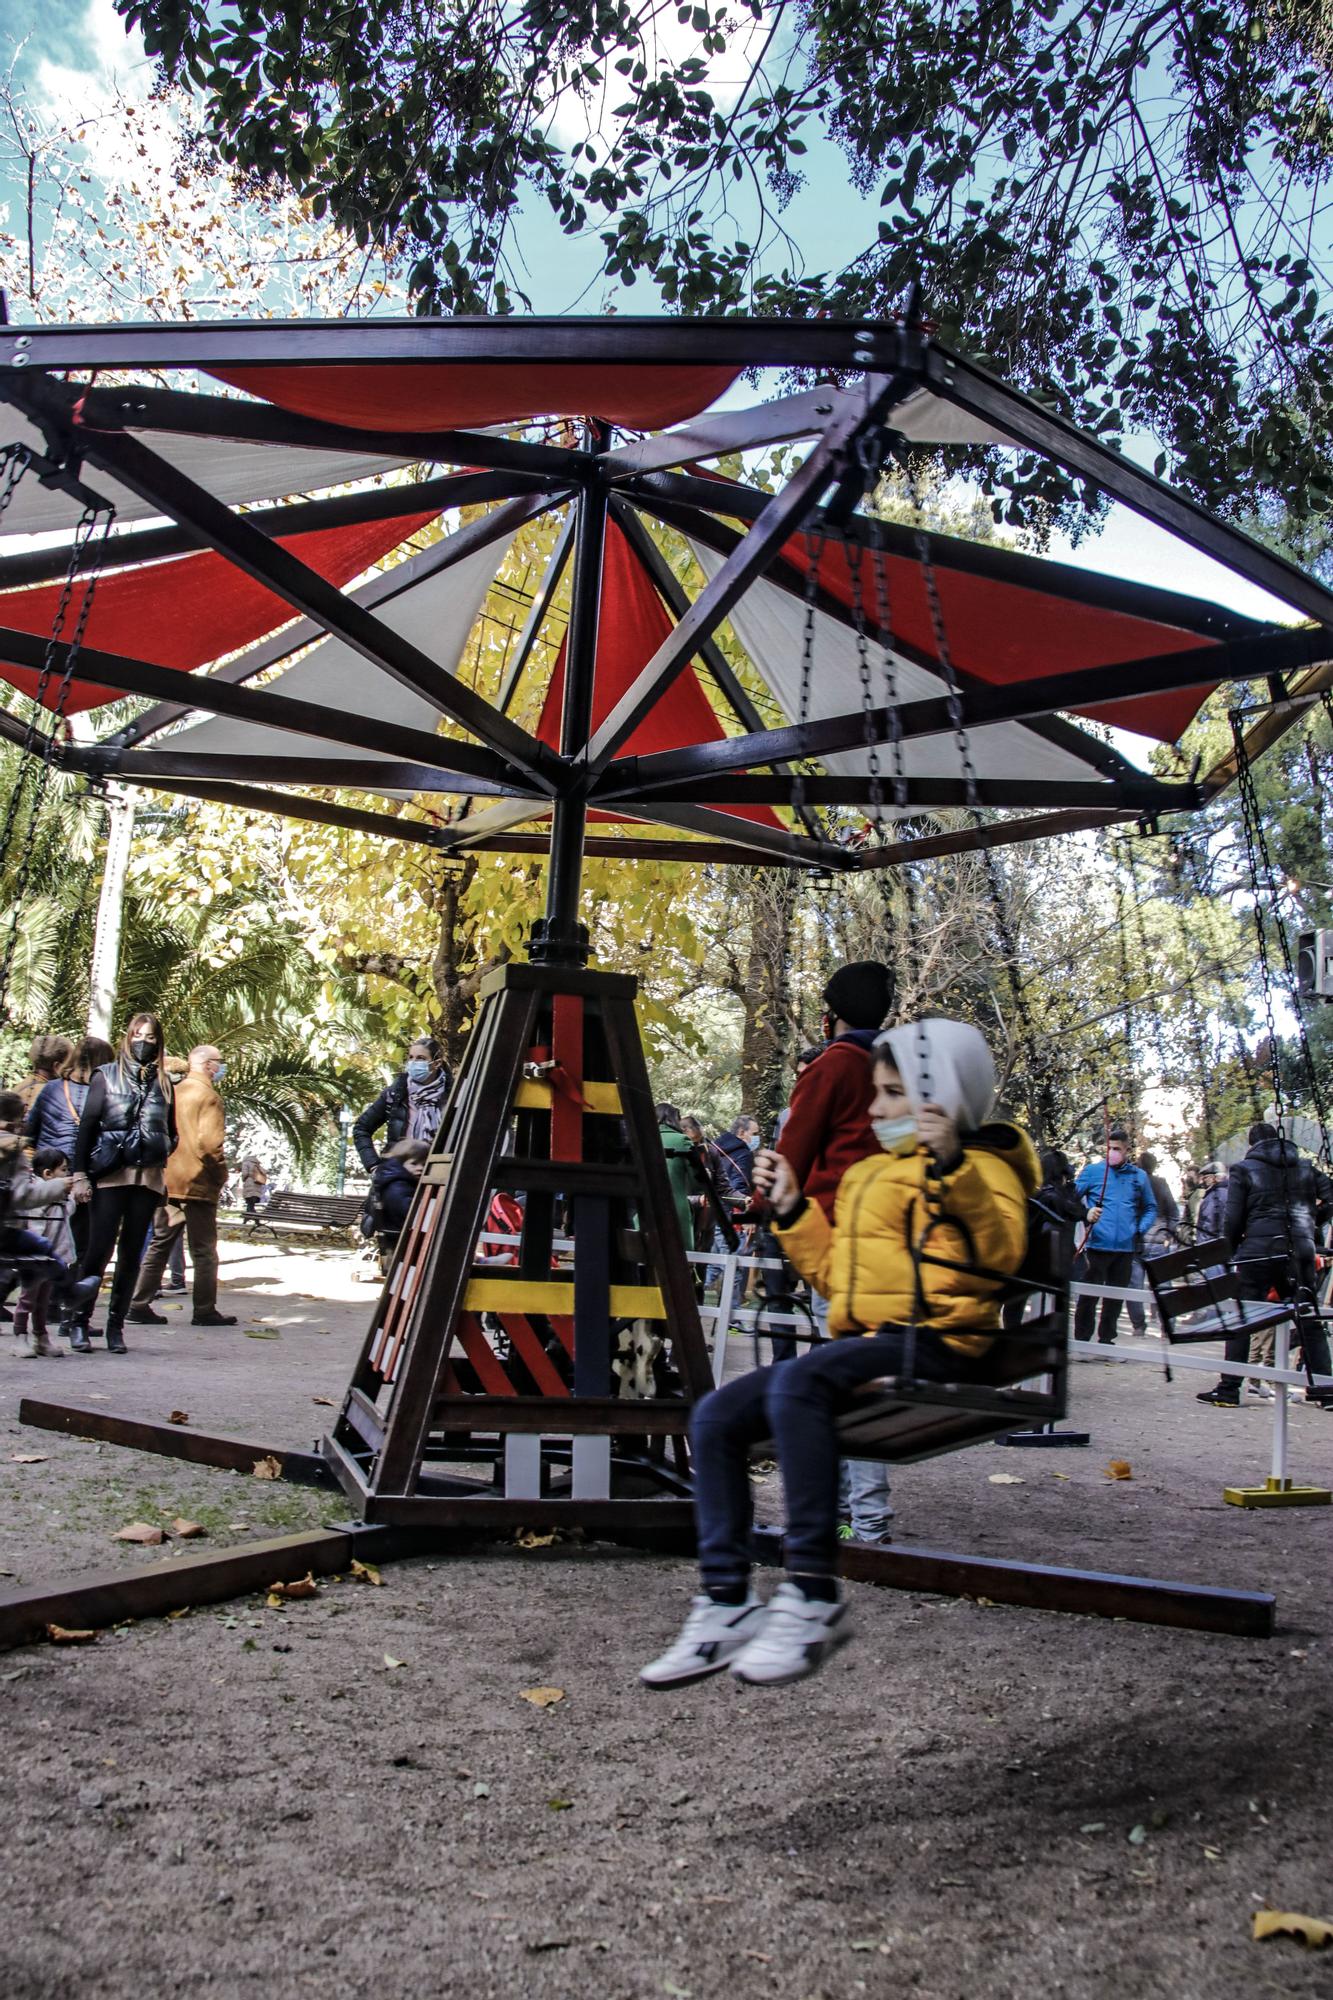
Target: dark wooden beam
{"points": [[1030, 423], [1140, 793], [169, 492], [783, 514], [695, 494], [294, 805], [355, 774], [1192, 1607], [92, 1600], [1051, 728], [749, 836], [178, 413], [270, 710], [1240, 659], [377, 503], [741, 342], [376, 592], [304, 1468]]}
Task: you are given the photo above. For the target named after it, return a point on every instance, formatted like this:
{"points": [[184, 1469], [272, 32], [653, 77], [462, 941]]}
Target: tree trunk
{"points": [[764, 1045], [454, 973]]}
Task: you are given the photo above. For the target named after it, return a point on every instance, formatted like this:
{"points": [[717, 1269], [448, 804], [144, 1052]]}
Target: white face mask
{"points": [[895, 1135], [753, 1142]]}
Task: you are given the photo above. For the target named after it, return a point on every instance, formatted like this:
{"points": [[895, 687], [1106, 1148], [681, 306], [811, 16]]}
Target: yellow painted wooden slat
{"points": [[603, 1098], [543, 1295]]}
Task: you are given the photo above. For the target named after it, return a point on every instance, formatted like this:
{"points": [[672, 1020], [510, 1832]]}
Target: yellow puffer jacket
{"points": [[862, 1262]]}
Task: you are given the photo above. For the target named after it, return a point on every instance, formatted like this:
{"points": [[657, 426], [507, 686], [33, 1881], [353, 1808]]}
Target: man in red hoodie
{"points": [[827, 1131]]}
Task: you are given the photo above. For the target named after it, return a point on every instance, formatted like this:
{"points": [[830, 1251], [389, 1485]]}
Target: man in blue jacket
{"points": [[1121, 1210]]}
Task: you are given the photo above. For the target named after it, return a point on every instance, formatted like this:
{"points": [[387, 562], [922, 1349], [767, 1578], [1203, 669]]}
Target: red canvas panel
{"points": [[191, 610], [1006, 633], [634, 623], [458, 395]]}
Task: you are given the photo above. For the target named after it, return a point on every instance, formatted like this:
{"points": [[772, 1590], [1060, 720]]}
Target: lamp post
{"points": [[345, 1123]]}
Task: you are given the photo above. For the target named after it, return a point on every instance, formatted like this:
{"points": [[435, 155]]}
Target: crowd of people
{"points": [[108, 1160]]}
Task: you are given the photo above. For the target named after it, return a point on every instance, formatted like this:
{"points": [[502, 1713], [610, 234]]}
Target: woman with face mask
{"points": [[126, 1132], [408, 1108], [943, 1184]]}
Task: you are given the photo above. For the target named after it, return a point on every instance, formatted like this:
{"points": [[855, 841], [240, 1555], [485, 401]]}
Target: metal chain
{"points": [[1045, 1116], [1263, 881], [816, 541], [884, 620], [1127, 1010], [83, 539], [854, 560], [1141, 933]]}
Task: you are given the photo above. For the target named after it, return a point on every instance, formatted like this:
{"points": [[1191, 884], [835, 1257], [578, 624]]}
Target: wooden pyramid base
{"points": [[553, 1383]]}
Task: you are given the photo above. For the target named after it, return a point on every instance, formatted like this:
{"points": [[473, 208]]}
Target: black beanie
{"points": [[861, 994]]}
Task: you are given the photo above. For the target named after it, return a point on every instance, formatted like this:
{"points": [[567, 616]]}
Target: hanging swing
{"points": [[901, 1419]]}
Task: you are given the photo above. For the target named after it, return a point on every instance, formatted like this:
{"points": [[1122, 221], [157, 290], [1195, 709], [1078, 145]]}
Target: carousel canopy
{"points": [[292, 561]]}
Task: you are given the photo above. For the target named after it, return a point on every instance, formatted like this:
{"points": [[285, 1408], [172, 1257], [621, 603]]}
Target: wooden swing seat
{"points": [[1197, 1295], [899, 1421]]}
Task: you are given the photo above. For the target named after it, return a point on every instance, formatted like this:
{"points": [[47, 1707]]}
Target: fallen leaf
{"points": [[179, 1417], [1119, 1468], [301, 1586], [1137, 1835], [183, 1612], [390, 1663], [63, 1635], [479, 1790], [325, 1402], [1317, 1932], [28, 1457], [366, 1573], [676, 1992], [561, 1805], [1212, 1854], [759, 1957], [542, 1697], [140, 1531], [1094, 1826], [528, 1538], [188, 1531], [262, 1333], [1062, 1475], [268, 1468], [1005, 1479]]}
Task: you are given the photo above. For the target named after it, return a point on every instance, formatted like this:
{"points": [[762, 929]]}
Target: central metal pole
{"points": [[558, 938]]}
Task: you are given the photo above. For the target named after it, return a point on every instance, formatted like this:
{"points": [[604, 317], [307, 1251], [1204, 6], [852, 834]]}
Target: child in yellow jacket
{"points": [[946, 1194]]}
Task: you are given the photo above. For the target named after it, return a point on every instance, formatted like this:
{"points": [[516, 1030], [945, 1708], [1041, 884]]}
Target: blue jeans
{"points": [[863, 1483], [797, 1406]]}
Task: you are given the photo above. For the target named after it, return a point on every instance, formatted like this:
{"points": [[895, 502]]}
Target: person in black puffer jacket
{"points": [[1276, 1201], [126, 1132], [53, 1117]]}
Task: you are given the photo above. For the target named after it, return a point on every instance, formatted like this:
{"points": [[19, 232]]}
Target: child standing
{"points": [[48, 1176]]}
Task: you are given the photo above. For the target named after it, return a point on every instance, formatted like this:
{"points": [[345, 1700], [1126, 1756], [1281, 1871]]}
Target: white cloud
{"points": [[114, 66]]}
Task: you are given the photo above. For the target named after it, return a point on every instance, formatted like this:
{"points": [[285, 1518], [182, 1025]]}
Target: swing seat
{"points": [[1197, 1295], [898, 1421]]}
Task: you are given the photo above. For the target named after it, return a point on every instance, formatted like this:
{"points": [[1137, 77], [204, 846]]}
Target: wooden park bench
{"points": [[290, 1209]]}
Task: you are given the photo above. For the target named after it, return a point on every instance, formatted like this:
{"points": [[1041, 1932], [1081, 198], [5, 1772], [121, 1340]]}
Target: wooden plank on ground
{"points": [[304, 1468], [94, 1599], [1197, 1607]]}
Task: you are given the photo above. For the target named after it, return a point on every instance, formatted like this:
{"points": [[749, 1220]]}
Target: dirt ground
{"points": [[969, 1801]]}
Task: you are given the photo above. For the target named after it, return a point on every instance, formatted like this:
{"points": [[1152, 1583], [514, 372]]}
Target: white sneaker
{"points": [[710, 1639], [1263, 1390], [795, 1638]]}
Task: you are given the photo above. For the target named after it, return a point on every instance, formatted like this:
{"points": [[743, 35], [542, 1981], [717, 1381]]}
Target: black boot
{"points": [[79, 1342], [115, 1333]]}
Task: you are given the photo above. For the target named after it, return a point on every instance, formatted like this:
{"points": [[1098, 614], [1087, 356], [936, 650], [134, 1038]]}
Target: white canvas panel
{"points": [[932, 420], [234, 472], [436, 614], [770, 624]]}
